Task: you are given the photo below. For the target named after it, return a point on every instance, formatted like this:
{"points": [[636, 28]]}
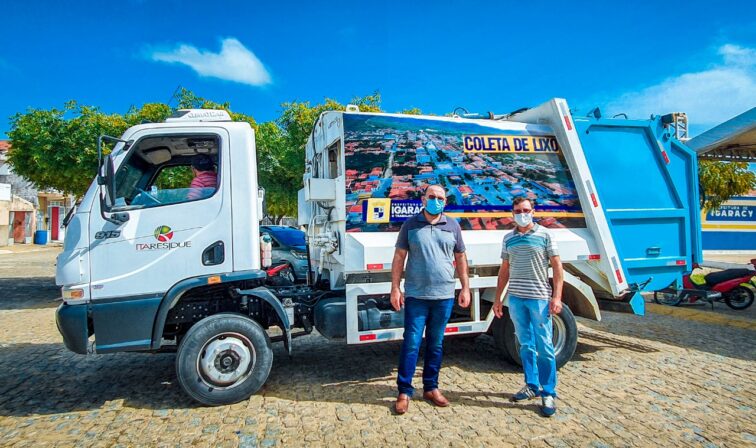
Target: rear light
{"points": [[367, 337]]}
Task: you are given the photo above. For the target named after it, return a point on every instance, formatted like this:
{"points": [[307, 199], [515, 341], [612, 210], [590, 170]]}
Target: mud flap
{"points": [[632, 303]]}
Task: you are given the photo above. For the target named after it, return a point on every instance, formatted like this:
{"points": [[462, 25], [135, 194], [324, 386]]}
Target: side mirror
{"points": [[107, 194], [107, 181], [109, 184], [260, 203]]}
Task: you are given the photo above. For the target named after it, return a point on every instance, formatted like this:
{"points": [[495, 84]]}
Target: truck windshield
{"points": [[164, 170]]}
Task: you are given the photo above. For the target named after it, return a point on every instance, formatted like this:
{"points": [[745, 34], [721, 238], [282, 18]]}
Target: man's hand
{"points": [[464, 298], [555, 305], [498, 308], [397, 299]]}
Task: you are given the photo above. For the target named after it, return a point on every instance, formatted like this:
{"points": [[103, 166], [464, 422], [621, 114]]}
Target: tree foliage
{"points": [[723, 180], [57, 148]]}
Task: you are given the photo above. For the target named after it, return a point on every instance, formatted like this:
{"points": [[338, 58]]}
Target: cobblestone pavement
{"points": [[635, 381]]}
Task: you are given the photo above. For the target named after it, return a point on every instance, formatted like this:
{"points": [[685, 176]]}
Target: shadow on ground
{"points": [[47, 379], [723, 340], [28, 292]]}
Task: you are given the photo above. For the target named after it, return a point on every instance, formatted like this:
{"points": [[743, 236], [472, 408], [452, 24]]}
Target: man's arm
{"points": [[397, 268], [501, 283], [464, 295], [555, 305]]}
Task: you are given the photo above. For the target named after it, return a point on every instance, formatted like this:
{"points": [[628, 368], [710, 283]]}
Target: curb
{"points": [[701, 316]]}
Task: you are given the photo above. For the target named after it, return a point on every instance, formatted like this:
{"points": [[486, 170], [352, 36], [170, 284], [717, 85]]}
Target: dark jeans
{"points": [[419, 315]]}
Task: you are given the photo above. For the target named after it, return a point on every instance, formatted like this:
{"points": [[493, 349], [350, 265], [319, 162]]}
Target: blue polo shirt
{"points": [[429, 273]]}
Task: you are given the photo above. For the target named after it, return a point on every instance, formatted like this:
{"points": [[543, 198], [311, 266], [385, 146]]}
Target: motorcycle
{"points": [[280, 274], [734, 287]]}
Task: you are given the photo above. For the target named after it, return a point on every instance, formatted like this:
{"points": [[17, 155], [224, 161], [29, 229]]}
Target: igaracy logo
{"points": [[164, 235]]}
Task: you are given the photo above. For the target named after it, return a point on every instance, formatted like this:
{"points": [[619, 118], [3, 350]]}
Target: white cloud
{"points": [[234, 62], [708, 97]]}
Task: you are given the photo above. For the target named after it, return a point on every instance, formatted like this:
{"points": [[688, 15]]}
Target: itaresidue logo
{"points": [[163, 234]]}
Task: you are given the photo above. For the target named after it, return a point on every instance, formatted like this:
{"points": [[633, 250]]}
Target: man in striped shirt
{"points": [[525, 256]]}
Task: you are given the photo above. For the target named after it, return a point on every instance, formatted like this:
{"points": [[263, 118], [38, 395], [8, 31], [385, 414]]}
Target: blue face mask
{"points": [[434, 206]]}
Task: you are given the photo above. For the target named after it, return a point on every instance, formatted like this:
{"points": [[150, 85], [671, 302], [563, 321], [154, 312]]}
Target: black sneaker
{"points": [[548, 405], [526, 393]]}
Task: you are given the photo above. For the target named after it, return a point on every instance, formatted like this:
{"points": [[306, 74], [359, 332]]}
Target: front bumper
{"points": [[73, 325]]}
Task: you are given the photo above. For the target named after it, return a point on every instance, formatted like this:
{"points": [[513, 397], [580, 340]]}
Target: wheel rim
{"points": [[226, 360], [739, 297], [559, 336]]}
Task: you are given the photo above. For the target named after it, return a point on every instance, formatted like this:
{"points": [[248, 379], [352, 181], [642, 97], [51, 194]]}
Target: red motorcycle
{"points": [[731, 286], [280, 275]]}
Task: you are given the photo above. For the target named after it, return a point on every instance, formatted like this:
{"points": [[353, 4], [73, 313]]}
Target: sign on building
{"points": [[5, 192]]}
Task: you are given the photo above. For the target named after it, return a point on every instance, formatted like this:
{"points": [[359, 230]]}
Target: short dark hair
{"points": [[520, 199], [202, 162]]}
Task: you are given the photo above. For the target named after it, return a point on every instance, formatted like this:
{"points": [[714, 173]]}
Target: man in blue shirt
{"points": [[431, 244]]}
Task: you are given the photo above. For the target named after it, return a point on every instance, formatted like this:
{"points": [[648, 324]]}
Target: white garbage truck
{"points": [[153, 269]]}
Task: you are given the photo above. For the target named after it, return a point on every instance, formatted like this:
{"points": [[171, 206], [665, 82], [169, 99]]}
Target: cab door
{"points": [[166, 239]]}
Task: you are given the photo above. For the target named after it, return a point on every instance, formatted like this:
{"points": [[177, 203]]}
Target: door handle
{"points": [[214, 254]]}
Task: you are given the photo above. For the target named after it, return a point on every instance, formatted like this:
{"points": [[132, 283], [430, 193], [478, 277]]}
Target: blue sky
{"points": [[654, 57]]}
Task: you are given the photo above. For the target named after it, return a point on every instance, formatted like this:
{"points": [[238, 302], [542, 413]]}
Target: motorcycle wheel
{"points": [[667, 297], [739, 298]]}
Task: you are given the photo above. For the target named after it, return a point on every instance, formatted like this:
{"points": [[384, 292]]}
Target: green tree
{"points": [[723, 180], [57, 148], [281, 149], [411, 111]]}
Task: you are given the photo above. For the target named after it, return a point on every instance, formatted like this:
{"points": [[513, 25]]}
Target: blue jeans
{"points": [[532, 323], [419, 315]]}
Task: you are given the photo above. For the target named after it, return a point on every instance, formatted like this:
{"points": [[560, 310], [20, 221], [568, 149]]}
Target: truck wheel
{"points": [[501, 330], [223, 359], [564, 337]]}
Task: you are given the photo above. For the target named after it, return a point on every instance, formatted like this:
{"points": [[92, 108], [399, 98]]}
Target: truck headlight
{"points": [[299, 255]]}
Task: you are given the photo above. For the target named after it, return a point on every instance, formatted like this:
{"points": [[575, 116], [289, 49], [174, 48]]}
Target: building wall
{"points": [[17, 209], [733, 225]]}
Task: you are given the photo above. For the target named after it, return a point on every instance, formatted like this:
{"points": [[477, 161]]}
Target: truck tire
{"points": [[501, 330], [565, 337], [223, 359]]}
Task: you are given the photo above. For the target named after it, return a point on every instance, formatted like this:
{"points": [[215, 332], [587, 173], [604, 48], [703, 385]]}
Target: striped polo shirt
{"points": [[528, 255]]}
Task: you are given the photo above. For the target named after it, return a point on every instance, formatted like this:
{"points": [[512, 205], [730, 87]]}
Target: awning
{"points": [[734, 140]]}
